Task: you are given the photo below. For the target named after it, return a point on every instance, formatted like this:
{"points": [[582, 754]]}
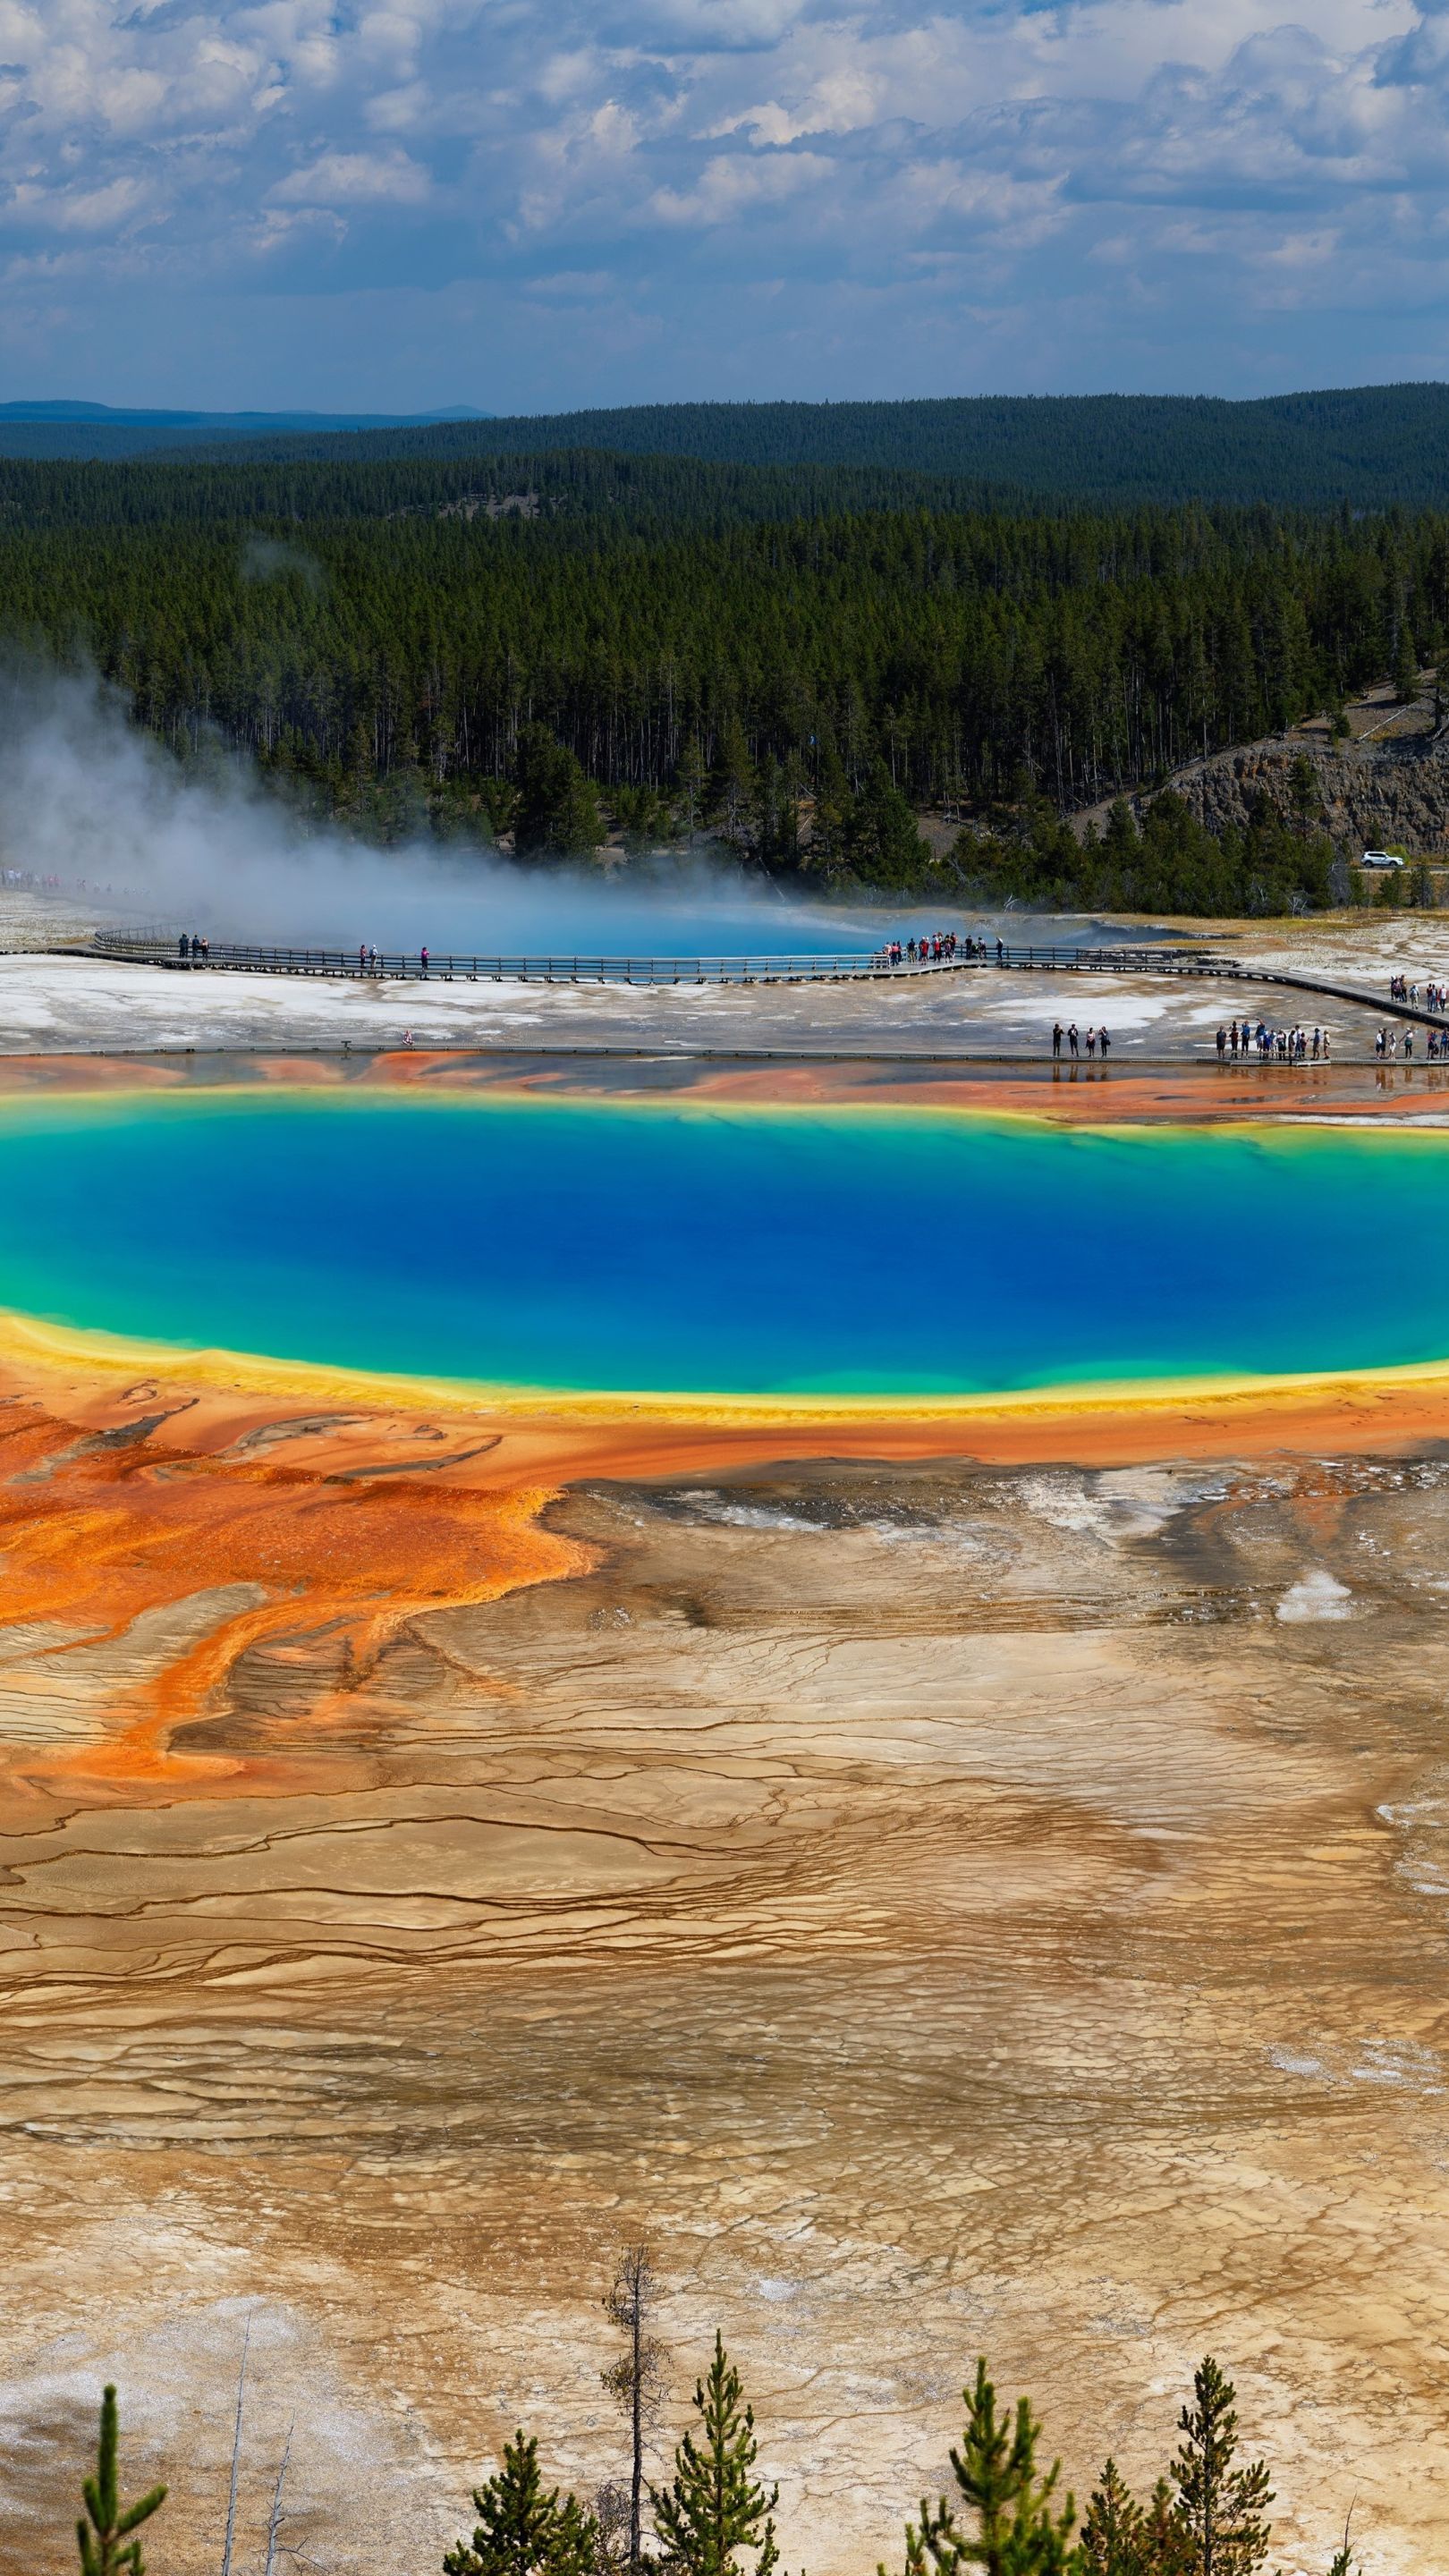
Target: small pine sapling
{"points": [[1223, 2508], [1120, 2537], [1168, 2545], [523, 2530], [1020, 2528], [1113, 2534], [1343, 2561], [715, 2508], [105, 2534]]}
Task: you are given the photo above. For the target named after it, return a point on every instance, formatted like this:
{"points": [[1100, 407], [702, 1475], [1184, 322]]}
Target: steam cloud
{"points": [[267, 558], [85, 795]]}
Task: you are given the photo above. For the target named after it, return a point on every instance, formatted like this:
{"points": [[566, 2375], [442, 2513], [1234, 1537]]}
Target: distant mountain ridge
{"points": [[1370, 446], [101, 431]]}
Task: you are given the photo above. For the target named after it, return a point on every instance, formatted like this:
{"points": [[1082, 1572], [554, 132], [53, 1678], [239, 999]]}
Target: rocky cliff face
{"points": [[1372, 793]]}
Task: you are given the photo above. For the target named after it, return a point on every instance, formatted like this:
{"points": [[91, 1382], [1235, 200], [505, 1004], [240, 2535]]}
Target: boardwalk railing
{"points": [[859, 966], [163, 948], [394, 968]]}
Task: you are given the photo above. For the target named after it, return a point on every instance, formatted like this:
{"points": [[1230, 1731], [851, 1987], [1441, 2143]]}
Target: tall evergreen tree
{"points": [[732, 786], [558, 806], [691, 780], [1019, 2527], [1223, 2507], [884, 842], [715, 2511], [521, 2530], [107, 2532]]}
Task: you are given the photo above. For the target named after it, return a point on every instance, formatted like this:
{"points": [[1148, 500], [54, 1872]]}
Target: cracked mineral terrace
{"points": [[954, 1894]]}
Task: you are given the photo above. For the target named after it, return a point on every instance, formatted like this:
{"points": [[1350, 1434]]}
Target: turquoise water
{"points": [[594, 1245]]}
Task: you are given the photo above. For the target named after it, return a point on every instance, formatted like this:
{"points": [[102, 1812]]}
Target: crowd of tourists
{"points": [[1273, 1046], [933, 948], [1096, 1041], [1387, 1042], [1431, 997], [43, 881]]}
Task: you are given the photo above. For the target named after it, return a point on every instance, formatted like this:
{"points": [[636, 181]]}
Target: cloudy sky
{"points": [[528, 204]]}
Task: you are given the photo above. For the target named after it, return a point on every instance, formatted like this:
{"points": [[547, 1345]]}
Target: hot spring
{"points": [[678, 1246]]}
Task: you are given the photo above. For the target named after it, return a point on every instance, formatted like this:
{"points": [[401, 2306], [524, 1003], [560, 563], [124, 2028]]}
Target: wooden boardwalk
{"points": [[848, 967]]}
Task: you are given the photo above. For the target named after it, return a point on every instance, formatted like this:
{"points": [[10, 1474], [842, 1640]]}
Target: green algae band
{"points": [[600, 1246]]}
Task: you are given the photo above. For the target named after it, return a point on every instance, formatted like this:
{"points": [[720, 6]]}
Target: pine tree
{"points": [[1223, 2507], [1303, 794], [715, 2508], [732, 787], [834, 809], [1343, 2561], [636, 2379], [1020, 2529], [690, 781], [1122, 2538], [1168, 2545], [105, 2535], [1113, 2534], [558, 807], [522, 2531], [884, 843]]}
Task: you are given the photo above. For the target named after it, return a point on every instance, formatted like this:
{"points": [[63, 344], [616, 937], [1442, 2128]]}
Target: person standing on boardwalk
{"points": [[1057, 1038], [1072, 1038]]}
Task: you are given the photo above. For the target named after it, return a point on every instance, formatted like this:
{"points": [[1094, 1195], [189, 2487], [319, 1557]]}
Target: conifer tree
{"points": [[105, 2534], [1167, 2542], [732, 787], [715, 2509], [1020, 2529], [884, 843], [558, 807], [521, 2530], [1222, 2507], [1120, 2537], [1114, 2532], [691, 779]]}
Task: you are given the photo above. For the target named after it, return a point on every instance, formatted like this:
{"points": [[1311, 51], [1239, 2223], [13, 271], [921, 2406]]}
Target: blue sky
{"points": [[528, 204]]}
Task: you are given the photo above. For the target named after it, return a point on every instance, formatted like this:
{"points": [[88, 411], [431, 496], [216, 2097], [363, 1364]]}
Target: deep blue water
{"points": [[587, 1244]]}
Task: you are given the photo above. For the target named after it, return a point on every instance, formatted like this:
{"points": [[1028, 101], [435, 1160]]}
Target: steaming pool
{"points": [[703, 1249]]}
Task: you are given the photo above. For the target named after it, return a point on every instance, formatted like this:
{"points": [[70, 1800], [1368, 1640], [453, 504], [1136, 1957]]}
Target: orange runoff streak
{"points": [[94, 1539]]}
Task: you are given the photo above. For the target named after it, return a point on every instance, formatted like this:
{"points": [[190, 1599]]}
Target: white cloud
{"points": [[354, 179], [1112, 190]]}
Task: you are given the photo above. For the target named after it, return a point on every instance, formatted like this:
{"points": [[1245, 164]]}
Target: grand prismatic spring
{"points": [[660, 1248], [853, 1683]]}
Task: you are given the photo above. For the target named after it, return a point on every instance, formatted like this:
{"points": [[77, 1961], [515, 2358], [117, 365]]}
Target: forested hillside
{"points": [[973, 652], [626, 492], [660, 637], [1373, 446]]}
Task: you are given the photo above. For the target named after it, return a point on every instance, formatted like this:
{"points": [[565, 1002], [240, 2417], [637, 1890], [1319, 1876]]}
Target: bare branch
{"points": [[236, 2453], [274, 2519]]}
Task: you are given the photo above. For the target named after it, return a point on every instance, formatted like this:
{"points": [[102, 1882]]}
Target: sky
{"points": [[526, 205]]}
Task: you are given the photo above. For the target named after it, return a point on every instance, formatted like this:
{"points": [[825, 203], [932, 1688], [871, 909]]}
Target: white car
{"points": [[1380, 859]]}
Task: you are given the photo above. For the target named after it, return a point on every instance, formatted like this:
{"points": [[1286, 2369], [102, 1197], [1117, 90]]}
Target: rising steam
{"points": [[84, 795]]}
